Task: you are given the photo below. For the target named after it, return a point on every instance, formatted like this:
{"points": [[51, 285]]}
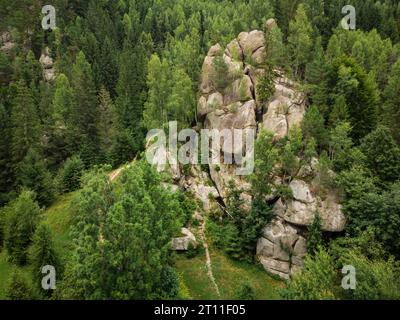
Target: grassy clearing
{"points": [[228, 275]]}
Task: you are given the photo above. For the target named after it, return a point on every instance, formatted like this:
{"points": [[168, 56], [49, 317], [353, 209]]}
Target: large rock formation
{"points": [[235, 104], [229, 100]]}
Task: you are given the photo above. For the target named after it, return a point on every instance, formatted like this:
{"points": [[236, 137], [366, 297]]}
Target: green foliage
{"points": [[69, 176], [300, 41], [361, 95], [392, 100], [5, 156], [25, 123], [19, 288], [107, 125], [244, 291], [313, 126], [340, 146], [32, 174], [316, 281], [22, 216], [43, 253], [123, 233], [83, 135], [265, 159], [314, 237], [219, 73], [382, 154], [243, 227]]}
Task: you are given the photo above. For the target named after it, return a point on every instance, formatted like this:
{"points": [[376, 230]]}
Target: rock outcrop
{"points": [[236, 105], [183, 243], [229, 100], [46, 61]]}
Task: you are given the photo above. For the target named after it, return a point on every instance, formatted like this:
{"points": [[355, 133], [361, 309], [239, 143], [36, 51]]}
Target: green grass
{"points": [[59, 218], [228, 275]]}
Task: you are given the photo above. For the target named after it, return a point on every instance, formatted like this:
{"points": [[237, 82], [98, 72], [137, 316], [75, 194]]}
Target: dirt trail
{"points": [[208, 257]]}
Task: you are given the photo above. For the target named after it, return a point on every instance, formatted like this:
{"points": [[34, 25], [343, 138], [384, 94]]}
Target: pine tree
{"points": [[32, 174], [22, 216], [181, 101], [316, 75], [314, 238], [107, 124], [83, 136], [360, 91], [105, 68], [56, 149], [382, 154], [5, 157], [18, 287], [300, 41], [313, 126], [25, 123], [69, 176], [123, 234], [155, 110], [131, 91], [392, 101], [43, 253]]}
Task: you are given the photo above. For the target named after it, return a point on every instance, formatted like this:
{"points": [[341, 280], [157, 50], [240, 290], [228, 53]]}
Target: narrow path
{"points": [[208, 257]]}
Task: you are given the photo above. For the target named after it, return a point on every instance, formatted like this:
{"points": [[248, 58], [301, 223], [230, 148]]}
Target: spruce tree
{"points": [[18, 287], [26, 129], [300, 41], [107, 124], [6, 175], [83, 136], [314, 238], [32, 174], [392, 101], [43, 253], [131, 92], [22, 216]]}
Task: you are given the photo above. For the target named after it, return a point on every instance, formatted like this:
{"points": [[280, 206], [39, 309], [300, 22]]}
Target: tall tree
{"points": [[43, 253], [6, 174], [131, 91], [300, 41], [26, 129], [107, 124], [32, 174], [22, 216], [83, 136], [392, 101], [123, 234]]}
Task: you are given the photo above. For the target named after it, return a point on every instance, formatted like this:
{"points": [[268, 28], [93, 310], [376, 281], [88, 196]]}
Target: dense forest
{"points": [[77, 101]]}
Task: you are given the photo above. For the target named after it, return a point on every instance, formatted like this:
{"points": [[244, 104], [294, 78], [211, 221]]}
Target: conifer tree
{"points": [[43, 253], [107, 124], [32, 174], [83, 136], [26, 129], [22, 216], [18, 287], [316, 75], [300, 41], [156, 112], [131, 91], [5, 156], [392, 101]]}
